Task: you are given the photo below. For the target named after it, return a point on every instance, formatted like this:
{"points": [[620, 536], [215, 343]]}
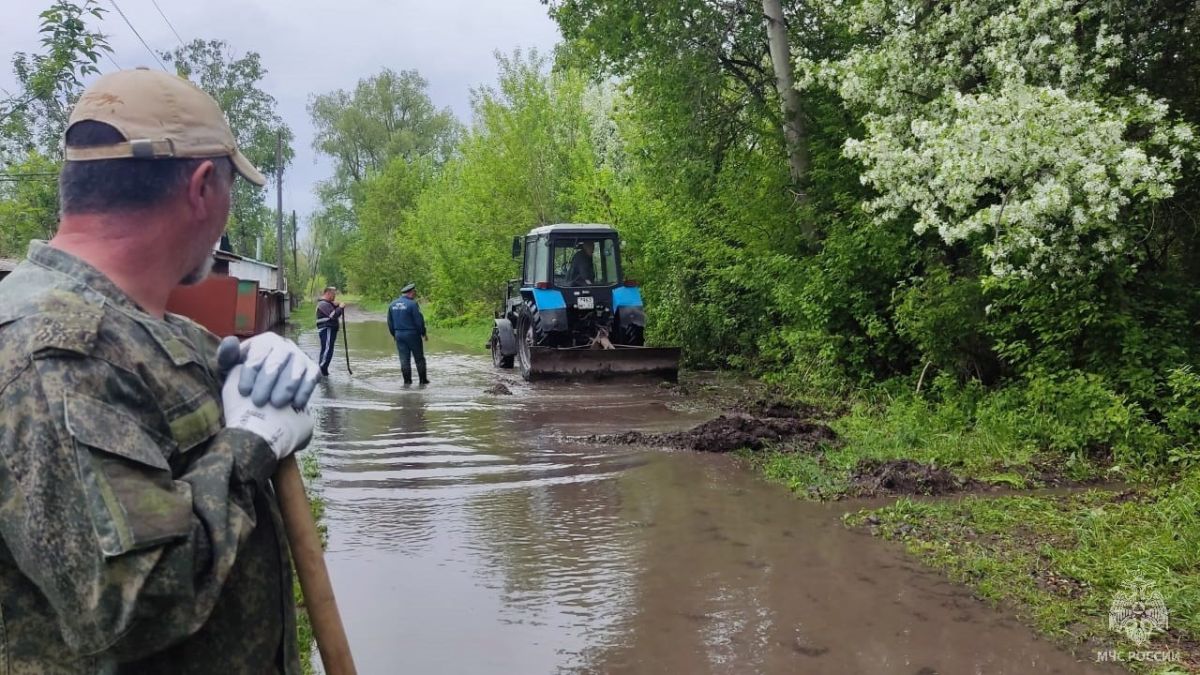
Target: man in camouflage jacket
{"points": [[139, 532]]}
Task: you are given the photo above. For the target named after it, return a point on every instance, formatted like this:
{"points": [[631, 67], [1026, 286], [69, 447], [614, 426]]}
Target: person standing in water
{"points": [[328, 314], [407, 327]]}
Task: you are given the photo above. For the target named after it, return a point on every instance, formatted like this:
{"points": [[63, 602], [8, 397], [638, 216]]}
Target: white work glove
{"points": [[285, 429], [275, 371]]}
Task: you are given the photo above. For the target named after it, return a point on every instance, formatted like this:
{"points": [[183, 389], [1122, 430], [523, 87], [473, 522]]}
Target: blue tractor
{"points": [[572, 313]]}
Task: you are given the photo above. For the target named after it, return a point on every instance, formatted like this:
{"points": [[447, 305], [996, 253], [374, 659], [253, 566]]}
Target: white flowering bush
{"points": [[991, 123]]}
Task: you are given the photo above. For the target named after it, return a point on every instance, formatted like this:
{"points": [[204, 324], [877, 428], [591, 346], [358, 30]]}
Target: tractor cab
{"points": [[582, 261], [572, 295]]}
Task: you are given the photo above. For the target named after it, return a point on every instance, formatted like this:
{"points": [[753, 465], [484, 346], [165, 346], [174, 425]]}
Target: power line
{"points": [[139, 35], [172, 27]]}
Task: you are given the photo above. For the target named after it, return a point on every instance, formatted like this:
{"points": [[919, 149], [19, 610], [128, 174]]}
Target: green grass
{"points": [[470, 335], [1056, 559], [1059, 559], [304, 316], [365, 304], [1015, 438], [989, 447]]}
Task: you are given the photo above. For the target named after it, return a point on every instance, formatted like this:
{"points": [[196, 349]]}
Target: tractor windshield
{"points": [[585, 261]]}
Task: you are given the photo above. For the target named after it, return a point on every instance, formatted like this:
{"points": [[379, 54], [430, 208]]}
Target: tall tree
{"points": [[36, 115], [236, 83], [387, 115], [386, 125], [789, 96], [527, 159]]}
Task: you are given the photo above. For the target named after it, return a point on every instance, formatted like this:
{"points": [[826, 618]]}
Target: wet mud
{"points": [[783, 427], [731, 432], [754, 425], [467, 535], [877, 478]]}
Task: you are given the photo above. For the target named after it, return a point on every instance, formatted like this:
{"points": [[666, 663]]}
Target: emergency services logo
{"points": [[1138, 611]]}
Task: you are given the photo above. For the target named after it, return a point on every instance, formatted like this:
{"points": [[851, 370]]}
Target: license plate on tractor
{"points": [[585, 302]]}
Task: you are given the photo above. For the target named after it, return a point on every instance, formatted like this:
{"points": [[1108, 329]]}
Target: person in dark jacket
{"points": [[407, 326], [328, 314], [583, 271]]}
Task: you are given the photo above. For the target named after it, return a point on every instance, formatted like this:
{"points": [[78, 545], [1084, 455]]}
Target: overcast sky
{"points": [[313, 46]]}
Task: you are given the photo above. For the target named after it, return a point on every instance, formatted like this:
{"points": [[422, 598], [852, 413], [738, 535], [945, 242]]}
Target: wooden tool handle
{"points": [[309, 558]]}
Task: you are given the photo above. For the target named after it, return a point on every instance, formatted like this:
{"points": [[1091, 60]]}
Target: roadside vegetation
{"points": [[470, 335], [310, 469], [304, 319], [1059, 560], [368, 305]]}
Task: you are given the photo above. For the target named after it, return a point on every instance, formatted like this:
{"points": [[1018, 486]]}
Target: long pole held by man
{"points": [[139, 528], [346, 343]]}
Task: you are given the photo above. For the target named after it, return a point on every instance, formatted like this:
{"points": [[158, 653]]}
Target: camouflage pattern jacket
{"points": [[137, 534]]}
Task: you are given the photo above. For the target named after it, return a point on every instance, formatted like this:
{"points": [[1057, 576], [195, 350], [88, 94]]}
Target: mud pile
{"points": [[784, 430], [876, 477]]}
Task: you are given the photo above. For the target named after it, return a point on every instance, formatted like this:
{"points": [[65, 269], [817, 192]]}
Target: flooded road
{"points": [[466, 536]]}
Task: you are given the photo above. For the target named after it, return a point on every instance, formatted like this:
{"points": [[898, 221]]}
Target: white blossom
{"points": [[988, 123]]}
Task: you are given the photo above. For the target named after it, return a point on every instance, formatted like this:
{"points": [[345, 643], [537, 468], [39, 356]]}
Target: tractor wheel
{"points": [[632, 335], [498, 358], [525, 347]]}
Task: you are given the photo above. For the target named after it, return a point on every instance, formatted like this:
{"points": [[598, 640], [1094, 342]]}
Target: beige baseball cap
{"points": [[162, 116]]}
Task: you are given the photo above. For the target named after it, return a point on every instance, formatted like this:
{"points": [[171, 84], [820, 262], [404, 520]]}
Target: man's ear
{"points": [[200, 183]]}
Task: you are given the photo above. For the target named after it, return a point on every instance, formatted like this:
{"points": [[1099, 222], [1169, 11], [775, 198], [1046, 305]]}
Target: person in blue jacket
{"points": [[407, 326]]}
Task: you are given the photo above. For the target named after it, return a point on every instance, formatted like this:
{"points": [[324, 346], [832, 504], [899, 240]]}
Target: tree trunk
{"points": [[793, 121]]}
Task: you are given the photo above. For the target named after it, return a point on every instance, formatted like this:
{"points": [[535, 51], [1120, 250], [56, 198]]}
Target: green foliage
{"points": [[28, 207], [387, 115], [35, 117], [374, 261], [1066, 425], [1077, 415], [1182, 416], [524, 162], [386, 139], [943, 316], [1079, 355], [468, 335]]}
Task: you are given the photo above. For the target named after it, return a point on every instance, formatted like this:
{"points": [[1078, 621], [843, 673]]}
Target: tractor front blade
{"points": [[576, 363]]}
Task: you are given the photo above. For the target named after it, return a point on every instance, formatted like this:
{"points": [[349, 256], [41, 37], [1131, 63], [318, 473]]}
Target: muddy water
{"points": [[465, 536]]}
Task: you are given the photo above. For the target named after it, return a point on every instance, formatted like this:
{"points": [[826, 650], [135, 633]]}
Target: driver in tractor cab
{"points": [[583, 272]]}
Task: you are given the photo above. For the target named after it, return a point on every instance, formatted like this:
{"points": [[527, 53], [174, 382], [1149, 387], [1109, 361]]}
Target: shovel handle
{"points": [[346, 343], [309, 558]]}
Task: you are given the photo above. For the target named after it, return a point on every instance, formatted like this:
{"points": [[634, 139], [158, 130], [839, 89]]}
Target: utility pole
{"points": [[279, 209], [295, 260]]}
